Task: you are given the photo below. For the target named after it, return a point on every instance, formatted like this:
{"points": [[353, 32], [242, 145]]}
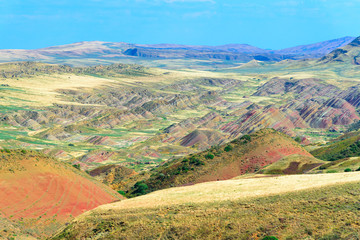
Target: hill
{"points": [[317, 49], [117, 177], [349, 53], [111, 52], [39, 194], [347, 145], [316, 206], [247, 154]]}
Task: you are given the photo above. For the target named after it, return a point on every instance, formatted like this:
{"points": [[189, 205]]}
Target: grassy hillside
{"points": [[343, 165], [317, 206], [345, 146], [247, 154], [39, 194], [293, 164]]}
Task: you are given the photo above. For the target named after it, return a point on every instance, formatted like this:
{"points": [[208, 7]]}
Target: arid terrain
{"points": [[267, 141]]}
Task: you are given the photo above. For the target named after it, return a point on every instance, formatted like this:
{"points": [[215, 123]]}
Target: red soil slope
{"points": [[247, 155], [39, 190]]}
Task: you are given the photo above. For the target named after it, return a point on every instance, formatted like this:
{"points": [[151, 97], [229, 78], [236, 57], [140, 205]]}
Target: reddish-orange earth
{"points": [[248, 154], [42, 191]]}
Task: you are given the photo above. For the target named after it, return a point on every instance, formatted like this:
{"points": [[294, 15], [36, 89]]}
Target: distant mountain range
{"points": [[112, 50]]}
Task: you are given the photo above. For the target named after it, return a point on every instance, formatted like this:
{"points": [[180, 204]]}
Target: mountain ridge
{"points": [[121, 50]]}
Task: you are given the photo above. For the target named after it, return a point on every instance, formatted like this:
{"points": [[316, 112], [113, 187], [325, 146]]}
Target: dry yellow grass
{"points": [[300, 207], [43, 90], [233, 190]]}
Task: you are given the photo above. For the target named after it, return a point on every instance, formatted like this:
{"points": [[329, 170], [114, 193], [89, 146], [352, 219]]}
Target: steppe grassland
{"points": [[234, 189], [42, 90], [327, 210]]}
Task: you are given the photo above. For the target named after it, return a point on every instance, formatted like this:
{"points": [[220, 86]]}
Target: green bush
{"points": [[77, 166], [246, 137], [121, 192], [348, 170], [331, 171], [140, 188], [270, 238], [209, 156], [297, 139], [196, 161], [358, 169], [228, 148], [7, 150]]}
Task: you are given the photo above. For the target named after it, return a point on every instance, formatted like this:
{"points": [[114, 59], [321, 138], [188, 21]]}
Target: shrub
{"points": [[185, 168], [348, 170], [322, 167], [358, 169], [297, 139], [140, 188], [228, 148], [246, 137], [71, 145], [121, 192], [270, 238], [161, 176], [77, 166], [196, 161], [209, 156]]}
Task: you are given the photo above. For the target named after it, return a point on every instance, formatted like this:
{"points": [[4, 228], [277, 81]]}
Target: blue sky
{"points": [[271, 24]]}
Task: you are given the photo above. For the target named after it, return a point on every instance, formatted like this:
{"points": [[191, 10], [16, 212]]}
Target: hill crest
{"points": [[247, 154]]}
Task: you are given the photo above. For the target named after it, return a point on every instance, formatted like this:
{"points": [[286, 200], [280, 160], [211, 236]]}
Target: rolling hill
{"points": [[39, 194], [141, 129], [247, 154], [316, 206], [347, 145]]}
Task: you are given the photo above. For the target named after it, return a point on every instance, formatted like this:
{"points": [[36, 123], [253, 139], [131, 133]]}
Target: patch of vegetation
{"points": [[209, 156], [345, 148], [77, 166], [297, 139], [228, 148], [121, 193], [270, 238], [29, 69], [140, 188], [354, 126]]}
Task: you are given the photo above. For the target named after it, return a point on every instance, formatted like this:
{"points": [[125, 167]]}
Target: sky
{"points": [[269, 24]]}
